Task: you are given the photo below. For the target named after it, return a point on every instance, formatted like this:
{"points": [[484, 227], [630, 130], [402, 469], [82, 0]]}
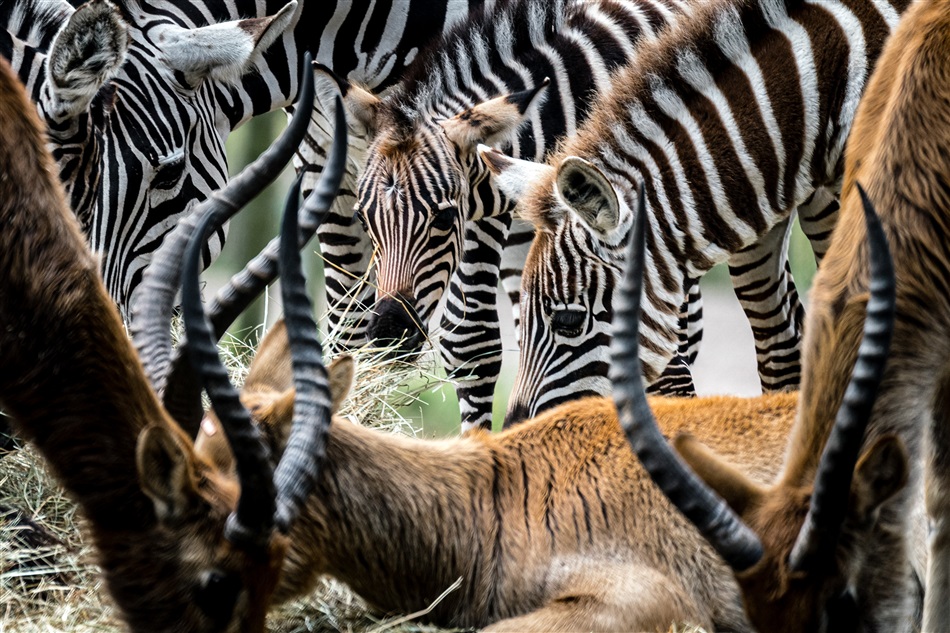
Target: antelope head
{"points": [[184, 544], [795, 546]]}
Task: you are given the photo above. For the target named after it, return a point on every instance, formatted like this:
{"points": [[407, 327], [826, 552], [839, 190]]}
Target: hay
{"points": [[63, 591]]}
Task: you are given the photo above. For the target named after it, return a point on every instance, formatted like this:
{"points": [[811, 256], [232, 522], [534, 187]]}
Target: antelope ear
{"points": [[362, 106], [341, 372], [585, 190], [166, 473], [734, 487], [515, 178], [226, 51], [271, 367], [492, 121], [880, 473], [212, 445], [86, 53]]}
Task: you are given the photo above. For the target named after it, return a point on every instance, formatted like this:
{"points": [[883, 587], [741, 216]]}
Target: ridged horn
{"points": [[300, 464], [152, 309], [251, 523], [182, 395], [829, 502], [725, 531]]}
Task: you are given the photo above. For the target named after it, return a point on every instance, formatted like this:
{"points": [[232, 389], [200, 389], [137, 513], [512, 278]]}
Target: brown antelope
{"points": [[182, 547], [833, 525], [551, 526]]}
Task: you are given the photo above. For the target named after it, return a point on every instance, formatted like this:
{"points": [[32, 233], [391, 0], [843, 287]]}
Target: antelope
{"points": [[182, 547], [826, 544], [553, 525]]}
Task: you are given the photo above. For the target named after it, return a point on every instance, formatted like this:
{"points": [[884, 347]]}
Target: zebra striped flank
{"points": [[731, 119]]}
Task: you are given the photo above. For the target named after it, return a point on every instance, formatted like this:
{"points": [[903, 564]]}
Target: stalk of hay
{"points": [[55, 586]]}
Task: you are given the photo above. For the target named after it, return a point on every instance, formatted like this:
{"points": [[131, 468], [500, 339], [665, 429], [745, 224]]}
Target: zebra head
{"points": [[138, 105], [573, 267], [422, 181]]}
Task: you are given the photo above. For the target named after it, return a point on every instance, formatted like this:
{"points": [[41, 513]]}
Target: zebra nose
{"points": [[396, 323], [517, 413]]}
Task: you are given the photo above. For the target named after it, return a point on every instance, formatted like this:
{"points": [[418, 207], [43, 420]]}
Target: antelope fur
{"points": [[898, 151], [552, 526]]}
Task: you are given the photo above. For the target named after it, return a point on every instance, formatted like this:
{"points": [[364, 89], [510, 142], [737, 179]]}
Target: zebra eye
{"points": [[168, 174], [442, 221], [567, 322]]}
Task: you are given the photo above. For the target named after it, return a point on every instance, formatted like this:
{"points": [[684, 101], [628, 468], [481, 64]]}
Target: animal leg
{"points": [[764, 286], [346, 248], [677, 378], [471, 337]]}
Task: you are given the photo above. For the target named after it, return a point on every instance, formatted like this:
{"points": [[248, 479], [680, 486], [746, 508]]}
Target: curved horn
{"points": [[251, 523], [152, 309], [182, 398], [261, 271], [306, 447], [829, 501], [734, 541]]}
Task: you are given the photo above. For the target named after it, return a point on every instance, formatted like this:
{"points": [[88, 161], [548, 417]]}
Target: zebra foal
{"points": [[731, 120]]}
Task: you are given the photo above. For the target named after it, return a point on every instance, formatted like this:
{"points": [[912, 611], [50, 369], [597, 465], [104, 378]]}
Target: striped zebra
{"points": [[731, 121], [139, 96], [522, 75]]}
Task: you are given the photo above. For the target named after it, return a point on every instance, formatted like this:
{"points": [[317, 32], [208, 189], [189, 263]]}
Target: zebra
{"points": [[730, 121], [140, 96], [450, 233], [438, 233]]}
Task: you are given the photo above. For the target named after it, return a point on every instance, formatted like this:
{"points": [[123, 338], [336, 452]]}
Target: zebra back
{"points": [[731, 120]]}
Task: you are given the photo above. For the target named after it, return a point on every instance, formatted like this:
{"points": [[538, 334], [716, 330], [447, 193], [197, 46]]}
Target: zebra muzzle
{"points": [[396, 324]]}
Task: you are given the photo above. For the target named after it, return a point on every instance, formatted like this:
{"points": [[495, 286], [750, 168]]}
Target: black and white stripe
{"points": [[151, 143], [732, 122], [438, 224]]}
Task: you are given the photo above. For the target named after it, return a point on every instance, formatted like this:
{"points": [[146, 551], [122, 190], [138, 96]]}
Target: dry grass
{"points": [[65, 594]]}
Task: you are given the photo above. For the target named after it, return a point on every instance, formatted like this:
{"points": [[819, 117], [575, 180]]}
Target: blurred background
{"points": [[726, 363]]}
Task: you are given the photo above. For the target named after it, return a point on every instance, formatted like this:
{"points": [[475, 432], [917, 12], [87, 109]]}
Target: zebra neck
{"points": [[733, 120], [397, 519]]}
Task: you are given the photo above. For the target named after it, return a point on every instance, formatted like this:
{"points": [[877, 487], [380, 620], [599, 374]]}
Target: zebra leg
{"points": [[817, 217], [346, 248], [471, 337], [677, 378], [764, 286]]}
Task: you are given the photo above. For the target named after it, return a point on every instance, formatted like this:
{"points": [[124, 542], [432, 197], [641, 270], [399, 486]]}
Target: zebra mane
{"points": [[715, 31], [432, 74], [35, 22]]}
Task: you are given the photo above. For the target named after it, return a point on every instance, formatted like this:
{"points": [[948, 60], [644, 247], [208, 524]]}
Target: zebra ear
{"points": [[584, 188], [87, 52], [515, 177], [362, 106], [226, 51], [492, 121]]}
